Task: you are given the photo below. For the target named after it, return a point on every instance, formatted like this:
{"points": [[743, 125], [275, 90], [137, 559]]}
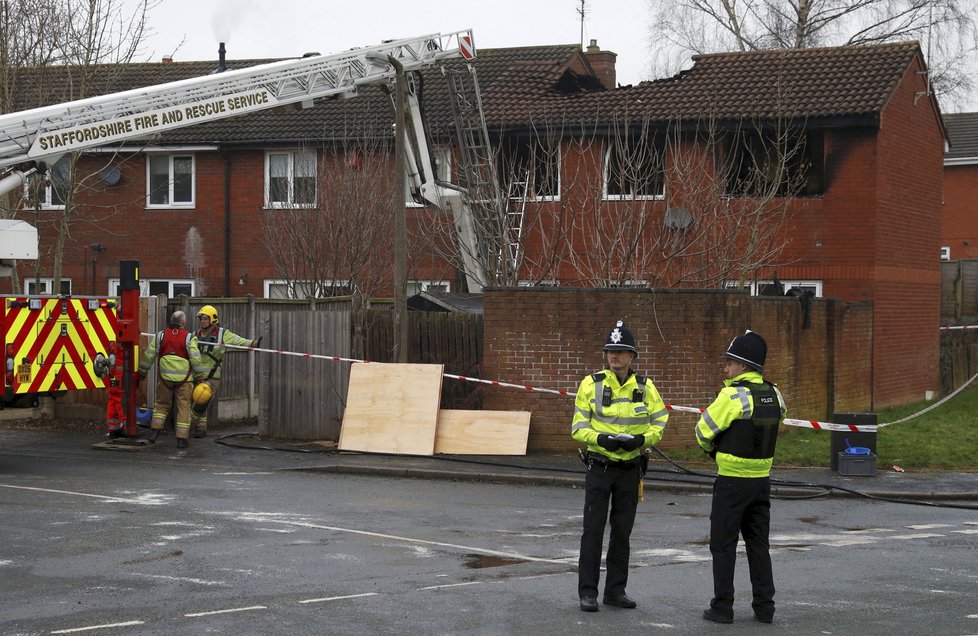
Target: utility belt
{"points": [[607, 462]]}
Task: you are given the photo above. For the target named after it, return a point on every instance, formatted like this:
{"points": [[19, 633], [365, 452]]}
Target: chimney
{"points": [[167, 60], [603, 63], [221, 60]]}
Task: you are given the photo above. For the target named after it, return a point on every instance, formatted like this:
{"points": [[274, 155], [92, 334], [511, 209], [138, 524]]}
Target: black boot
{"points": [[153, 434], [182, 443], [199, 434]]}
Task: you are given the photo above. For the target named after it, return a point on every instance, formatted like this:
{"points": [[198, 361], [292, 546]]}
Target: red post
{"points": [[127, 337]]}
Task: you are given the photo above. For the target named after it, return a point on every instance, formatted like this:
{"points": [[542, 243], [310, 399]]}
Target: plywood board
{"points": [[482, 432], [392, 408]]}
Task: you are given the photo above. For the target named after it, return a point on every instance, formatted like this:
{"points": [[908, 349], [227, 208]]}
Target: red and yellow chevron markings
{"points": [[53, 340]]}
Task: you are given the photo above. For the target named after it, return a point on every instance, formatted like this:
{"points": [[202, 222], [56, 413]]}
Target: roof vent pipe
{"points": [[221, 59]]}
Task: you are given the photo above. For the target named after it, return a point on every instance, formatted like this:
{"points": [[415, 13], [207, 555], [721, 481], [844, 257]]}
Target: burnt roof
{"points": [[523, 86]]}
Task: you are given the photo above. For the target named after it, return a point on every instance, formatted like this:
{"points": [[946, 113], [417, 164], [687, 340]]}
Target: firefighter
{"points": [[617, 413], [115, 415], [179, 364], [211, 338], [739, 431]]}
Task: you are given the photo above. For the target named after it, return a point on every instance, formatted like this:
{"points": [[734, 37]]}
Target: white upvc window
{"points": [[814, 286], [945, 252], [281, 288], [290, 179], [50, 188], [415, 287], [172, 287], [170, 180], [45, 286]]}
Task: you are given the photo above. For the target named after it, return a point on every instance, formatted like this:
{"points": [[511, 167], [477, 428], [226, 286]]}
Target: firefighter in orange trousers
{"points": [[179, 362], [115, 415]]}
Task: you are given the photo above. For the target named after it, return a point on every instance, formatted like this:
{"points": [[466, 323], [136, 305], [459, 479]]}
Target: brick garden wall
{"points": [[552, 337]]}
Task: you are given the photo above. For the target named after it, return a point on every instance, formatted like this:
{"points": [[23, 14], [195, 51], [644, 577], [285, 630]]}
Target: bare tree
{"points": [[339, 243], [948, 30]]}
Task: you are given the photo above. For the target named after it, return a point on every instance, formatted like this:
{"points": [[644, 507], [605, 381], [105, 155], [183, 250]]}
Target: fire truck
{"points": [[66, 343]]}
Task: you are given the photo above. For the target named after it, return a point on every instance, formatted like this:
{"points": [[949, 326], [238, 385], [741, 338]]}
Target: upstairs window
{"points": [[49, 191], [634, 169], [45, 286], [154, 286], [290, 179], [530, 168], [774, 163], [170, 180]]}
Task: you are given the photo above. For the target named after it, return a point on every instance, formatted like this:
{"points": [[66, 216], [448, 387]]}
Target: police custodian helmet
{"points": [[620, 339], [748, 348]]}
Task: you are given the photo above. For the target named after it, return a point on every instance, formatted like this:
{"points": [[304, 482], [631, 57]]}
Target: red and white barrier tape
{"points": [[821, 426], [961, 327]]}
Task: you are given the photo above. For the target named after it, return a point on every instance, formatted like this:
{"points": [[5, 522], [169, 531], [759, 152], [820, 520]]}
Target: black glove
{"points": [[257, 343], [632, 444], [711, 453], [608, 442]]}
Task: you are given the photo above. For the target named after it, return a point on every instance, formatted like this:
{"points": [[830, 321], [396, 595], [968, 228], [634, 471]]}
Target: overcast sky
{"points": [[289, 28]]}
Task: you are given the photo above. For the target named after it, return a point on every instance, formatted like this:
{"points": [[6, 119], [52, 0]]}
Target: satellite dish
{"points": [[110, 175]]}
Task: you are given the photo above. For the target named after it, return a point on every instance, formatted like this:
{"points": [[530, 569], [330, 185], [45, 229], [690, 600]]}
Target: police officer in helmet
{"points": [[740, 430], [617, 413]]}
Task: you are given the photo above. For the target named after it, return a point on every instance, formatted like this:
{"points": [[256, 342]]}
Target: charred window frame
{"points": [[769, 162], [634, 168], [530, 168]]}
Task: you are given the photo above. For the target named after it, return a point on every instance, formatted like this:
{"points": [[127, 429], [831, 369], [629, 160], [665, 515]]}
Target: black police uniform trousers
{"points": [[741, 505], [616, 483]]}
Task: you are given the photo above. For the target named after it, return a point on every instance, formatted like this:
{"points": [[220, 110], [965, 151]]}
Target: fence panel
{"points": [[304, 398]]}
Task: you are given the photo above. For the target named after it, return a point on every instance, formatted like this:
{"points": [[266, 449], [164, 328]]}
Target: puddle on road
{"points": [[479, 561]]}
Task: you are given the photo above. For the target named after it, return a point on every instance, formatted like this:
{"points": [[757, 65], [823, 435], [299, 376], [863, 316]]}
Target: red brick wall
{"points": [[551, 338], [958, 229], [907, 300]]}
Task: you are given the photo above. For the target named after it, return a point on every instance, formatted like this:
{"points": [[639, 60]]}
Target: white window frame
{"points": [[291, 286], [46, 285], [48, 191], [144, 286], [539, 283], [417, 286], [171, 204], [536, 154], [290, 203], [814, 285], [628, 197], [945, 253]]}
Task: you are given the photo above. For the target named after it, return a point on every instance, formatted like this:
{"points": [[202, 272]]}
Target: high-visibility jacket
{"points": [[178, 353], [603, 405], [212, 349], [736, 404]]}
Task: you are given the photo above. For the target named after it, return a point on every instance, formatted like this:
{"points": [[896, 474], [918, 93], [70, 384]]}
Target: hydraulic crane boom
{"points": [[43, 135], [46, 133]]}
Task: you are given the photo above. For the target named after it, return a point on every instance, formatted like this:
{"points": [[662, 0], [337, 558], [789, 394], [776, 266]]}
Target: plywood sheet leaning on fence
{"points": [[482, 432], [392, 408]]}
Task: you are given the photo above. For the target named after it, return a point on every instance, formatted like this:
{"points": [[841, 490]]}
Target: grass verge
{"points": [[943, 439]]}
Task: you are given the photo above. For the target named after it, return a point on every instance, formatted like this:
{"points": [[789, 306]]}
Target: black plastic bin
{"points": [[866, 440]]}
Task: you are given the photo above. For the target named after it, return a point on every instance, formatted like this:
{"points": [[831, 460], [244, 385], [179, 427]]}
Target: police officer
{"points": [[617, 413], [740, 430]]}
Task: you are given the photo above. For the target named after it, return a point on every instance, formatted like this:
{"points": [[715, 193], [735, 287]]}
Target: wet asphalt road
{"points": [[228, 541]]}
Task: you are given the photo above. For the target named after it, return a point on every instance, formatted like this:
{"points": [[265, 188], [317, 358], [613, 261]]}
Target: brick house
{"points": [[838, 151], [959, 219]]}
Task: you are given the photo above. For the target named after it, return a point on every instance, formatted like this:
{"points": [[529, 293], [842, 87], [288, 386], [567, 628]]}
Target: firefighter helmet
{"points": [[210, 311], [201, 397], [620, 338], [749, 348]]}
